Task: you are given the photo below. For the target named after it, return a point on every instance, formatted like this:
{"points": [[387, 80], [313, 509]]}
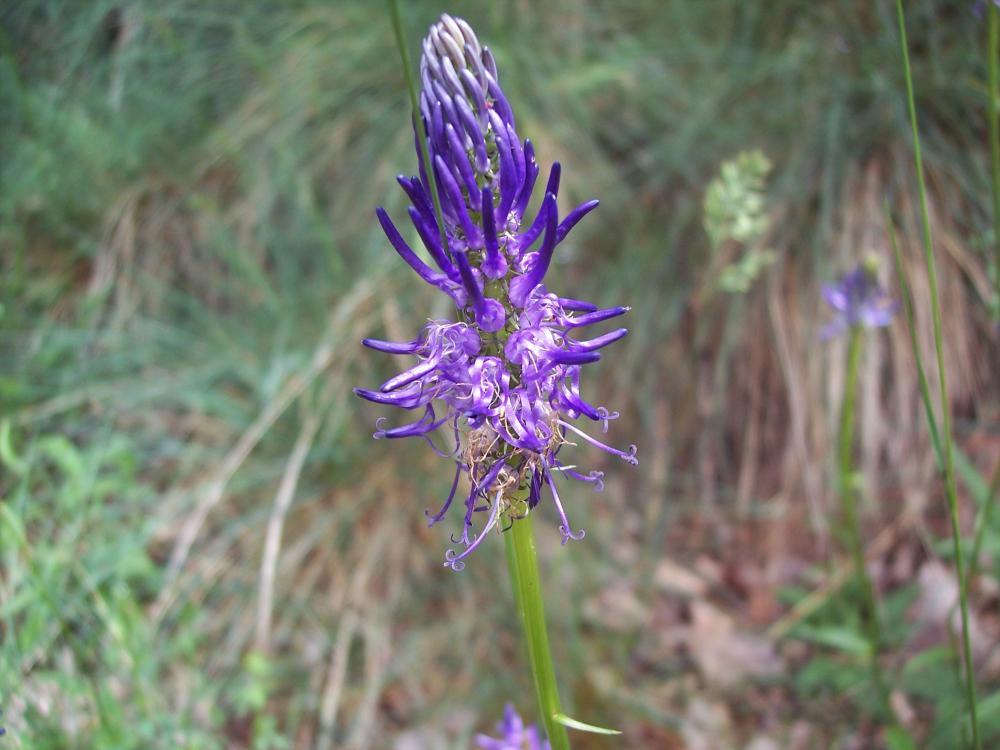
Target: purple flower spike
{"points": [[502, 381], [858, 301], [514, 735]]}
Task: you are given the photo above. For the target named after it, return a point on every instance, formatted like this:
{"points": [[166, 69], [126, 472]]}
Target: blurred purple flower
{"points": [[857, 300], [505, 377], [979, 8], [514, 735]]}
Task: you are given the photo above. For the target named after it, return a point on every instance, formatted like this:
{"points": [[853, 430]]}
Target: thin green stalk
{"points": [[911, 326], [848, 503], [526, 583], [993, 50], [418, 121], [982, 518], [949, 465]]}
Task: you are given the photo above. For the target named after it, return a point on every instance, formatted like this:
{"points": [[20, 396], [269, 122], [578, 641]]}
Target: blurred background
{"points": [[201, 546]]}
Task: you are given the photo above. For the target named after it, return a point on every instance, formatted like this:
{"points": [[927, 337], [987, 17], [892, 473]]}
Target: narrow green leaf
{"points": [[945, 408], [566, 721]]}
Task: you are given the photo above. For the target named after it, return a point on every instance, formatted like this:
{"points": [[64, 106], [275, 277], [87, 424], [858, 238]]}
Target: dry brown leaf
{"points": [[707, 725], [616, 608], [676, 579], [724, 654], [936, 606]]}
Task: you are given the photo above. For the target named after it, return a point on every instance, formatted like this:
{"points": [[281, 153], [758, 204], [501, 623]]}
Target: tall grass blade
{"points": [[993, 49], [911, 326], [949, 468]]}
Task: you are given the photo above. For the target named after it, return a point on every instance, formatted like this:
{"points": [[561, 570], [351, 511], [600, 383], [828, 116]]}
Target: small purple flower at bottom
{"points": [[514, 735], [979, 8], [858, 300]]}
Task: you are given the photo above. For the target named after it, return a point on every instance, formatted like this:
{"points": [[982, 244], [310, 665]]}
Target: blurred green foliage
{"points": [[734, 201], [735, 212]]}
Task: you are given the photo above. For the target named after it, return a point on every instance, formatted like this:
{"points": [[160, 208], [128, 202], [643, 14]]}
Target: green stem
{"points": [[925, 397], [523, 563], [949, 460], [993, 50], [848, 501], [911, 327]]}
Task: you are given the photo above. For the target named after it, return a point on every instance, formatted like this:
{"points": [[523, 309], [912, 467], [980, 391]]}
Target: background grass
{"points": [[189, 259]]}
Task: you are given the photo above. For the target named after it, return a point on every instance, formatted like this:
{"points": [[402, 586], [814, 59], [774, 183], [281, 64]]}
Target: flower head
{"points": [[504, 378], [514, 735], [858, 300]]}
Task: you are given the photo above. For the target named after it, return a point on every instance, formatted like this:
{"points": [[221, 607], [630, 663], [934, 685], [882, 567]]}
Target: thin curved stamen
{"points": [[605, 416], [441, 453], [479, 489], [628, 455], [453, 560], [433, 519], [595, 478], [564, 528]]}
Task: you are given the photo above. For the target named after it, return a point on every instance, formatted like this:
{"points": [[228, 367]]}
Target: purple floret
{"points": [[857, 301], [979, 8], [514, 735], [503, 379]]}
